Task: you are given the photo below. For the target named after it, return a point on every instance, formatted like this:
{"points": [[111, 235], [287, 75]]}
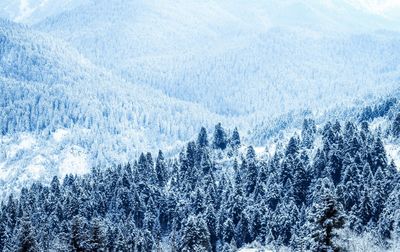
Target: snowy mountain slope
{"points": [[147, 74], [47, 86], [311, 85], [277, 72], [32, 11], [370, 108], [222, 56], [379, 112], [339, 14]]}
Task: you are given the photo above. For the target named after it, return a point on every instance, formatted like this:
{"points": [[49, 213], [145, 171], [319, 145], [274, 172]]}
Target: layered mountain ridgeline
{"points": [[59, 113], [237, 57], [95, 85], [47, 85], [332, 187]]}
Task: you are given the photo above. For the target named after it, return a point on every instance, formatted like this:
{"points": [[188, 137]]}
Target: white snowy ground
{"points": [[393, 152], [254, 250], [26, 158], [392, 145]]}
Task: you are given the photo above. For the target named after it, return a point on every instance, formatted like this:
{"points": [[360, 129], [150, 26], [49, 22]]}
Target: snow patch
{"points": [[3, 171], [37, 167], [254, 250], [75, 161], [36, 171], [26, 142], [378, 123], [271, 149], [259, 150], [25, 10], [393, 152], [60, 135]]}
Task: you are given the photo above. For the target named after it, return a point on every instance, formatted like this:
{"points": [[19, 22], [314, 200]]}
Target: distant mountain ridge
{"points": [[57, 108], [217, 54]]}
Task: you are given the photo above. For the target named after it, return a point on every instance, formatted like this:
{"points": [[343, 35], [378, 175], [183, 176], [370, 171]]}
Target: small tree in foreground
{"points": [[325, 219]]}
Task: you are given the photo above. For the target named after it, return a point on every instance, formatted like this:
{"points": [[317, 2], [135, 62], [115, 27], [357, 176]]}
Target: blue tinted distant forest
{"points": [[220, 125]]}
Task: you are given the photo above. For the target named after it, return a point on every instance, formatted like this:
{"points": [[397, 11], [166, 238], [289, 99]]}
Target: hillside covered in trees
{"points": [[330, 189], [188, 126], [93, 83]]}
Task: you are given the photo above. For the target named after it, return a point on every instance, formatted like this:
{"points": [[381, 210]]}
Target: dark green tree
{"points": [[26, 238], [195, 235], [396, 126], [251, 171], [235, 139], [220, 140], [161, 170], [325, 219], [308, 133], [202, 139]]}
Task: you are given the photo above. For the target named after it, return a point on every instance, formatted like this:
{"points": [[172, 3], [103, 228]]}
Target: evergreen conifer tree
{"points": [[220, 140], [325, 219], [235, 139], [195, 235], [202, 139]]}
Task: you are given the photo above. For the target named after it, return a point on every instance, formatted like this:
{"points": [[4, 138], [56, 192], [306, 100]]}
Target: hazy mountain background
{"points": [[87, 83]]}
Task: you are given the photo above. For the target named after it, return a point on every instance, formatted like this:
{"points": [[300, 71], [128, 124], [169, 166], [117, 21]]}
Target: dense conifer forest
{"points": [[218, 195], [191, 126]]}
